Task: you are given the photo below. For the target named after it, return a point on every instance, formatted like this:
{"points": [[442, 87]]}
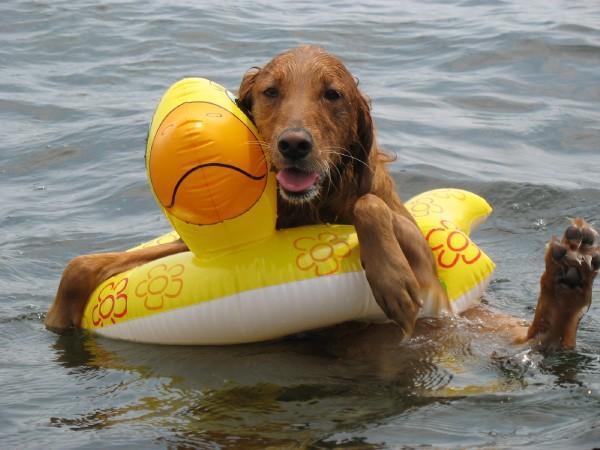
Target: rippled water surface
{"points": [[499, 97]]}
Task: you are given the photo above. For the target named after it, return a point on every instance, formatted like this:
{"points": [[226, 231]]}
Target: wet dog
{"points": [[317, 126]]}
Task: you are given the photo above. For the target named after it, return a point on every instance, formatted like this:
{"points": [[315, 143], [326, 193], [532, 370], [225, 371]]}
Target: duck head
{"points": [[208, 170]]}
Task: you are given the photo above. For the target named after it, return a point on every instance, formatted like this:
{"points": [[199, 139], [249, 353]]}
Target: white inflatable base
{"points": [[253, 316]]}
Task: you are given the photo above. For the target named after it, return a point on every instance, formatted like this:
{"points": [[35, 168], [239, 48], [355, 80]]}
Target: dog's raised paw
{"points": [[576, 257]]}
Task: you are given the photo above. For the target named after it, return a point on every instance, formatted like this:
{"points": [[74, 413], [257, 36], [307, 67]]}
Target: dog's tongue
{"points": [[295, 180]]}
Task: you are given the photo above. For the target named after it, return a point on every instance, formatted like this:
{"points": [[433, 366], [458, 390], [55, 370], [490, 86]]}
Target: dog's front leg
{"points": [[387, 268]]}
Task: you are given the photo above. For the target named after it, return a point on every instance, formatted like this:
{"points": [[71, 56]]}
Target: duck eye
{"points": [[271, 92], [332, 95]]}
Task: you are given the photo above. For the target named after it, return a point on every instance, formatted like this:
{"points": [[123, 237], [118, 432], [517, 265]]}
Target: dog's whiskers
{"points": [[261, 143], [329, 172], [325, 167], [346, 153]]}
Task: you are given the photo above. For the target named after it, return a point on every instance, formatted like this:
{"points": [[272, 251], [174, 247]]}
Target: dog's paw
{"points": [[574, 260], [57, 320], [396, 291], [572, 263]]}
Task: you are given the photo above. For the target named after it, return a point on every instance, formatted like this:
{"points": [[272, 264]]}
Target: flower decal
{"points": [[451, 245], [165, 239], [425, 205], [449, 193], [162, 282], [111, 303], [321, 254]]}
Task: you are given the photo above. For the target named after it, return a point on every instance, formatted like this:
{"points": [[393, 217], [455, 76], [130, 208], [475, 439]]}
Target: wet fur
{"points": [[355, 188]]}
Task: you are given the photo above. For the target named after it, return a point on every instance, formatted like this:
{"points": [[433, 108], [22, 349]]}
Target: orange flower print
{"points": [[450, 245], [112, 304], [321, 254], [161, 283], [166, 239], [425, 206], [449, 193]]}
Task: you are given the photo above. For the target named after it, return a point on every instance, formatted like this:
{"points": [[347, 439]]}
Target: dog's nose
{"points": [[295, 143]]}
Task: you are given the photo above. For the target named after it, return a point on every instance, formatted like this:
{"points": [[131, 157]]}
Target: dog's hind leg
{"points": [[566, 286], [84, 273]]}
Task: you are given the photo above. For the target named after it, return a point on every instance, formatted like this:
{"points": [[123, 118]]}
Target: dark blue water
{"points": [[499, 97]]}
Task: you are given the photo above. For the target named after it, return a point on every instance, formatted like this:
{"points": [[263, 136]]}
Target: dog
{"points": [[318, 128]]}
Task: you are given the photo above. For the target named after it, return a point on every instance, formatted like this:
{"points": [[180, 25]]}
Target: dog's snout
{"points": [[295, 143]]}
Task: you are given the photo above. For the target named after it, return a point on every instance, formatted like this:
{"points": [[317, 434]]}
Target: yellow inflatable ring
{"points": [[243, 281]]}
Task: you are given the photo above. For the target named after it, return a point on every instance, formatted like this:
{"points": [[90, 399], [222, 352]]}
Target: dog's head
{"points": [[313, 119]]}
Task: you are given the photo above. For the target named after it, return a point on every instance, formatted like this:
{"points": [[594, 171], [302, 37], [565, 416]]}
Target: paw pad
{"points": [[596, 262], [588, 238], [573, 233], [577, 255], [558, 251], [571, 277]]}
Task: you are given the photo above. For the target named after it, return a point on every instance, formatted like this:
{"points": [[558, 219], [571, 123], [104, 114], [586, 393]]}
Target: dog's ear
{"points": [[245, 91], [365, 134]]}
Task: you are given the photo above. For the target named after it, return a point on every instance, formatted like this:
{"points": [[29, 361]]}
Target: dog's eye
{"points": [[332, 95], [271, 92]]}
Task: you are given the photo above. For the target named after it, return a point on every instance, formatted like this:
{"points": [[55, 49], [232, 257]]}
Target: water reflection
{"points": [[295, 392]]}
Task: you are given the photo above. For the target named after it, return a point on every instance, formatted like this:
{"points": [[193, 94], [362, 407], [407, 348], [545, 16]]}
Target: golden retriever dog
{"points": [[318, 128]]}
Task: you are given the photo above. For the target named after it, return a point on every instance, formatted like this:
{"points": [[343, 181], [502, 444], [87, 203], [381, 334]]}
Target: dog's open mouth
{"points": [[298, 183]]}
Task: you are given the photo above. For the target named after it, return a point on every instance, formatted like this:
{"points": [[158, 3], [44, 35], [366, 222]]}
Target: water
{"points": [[499, 97]]}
